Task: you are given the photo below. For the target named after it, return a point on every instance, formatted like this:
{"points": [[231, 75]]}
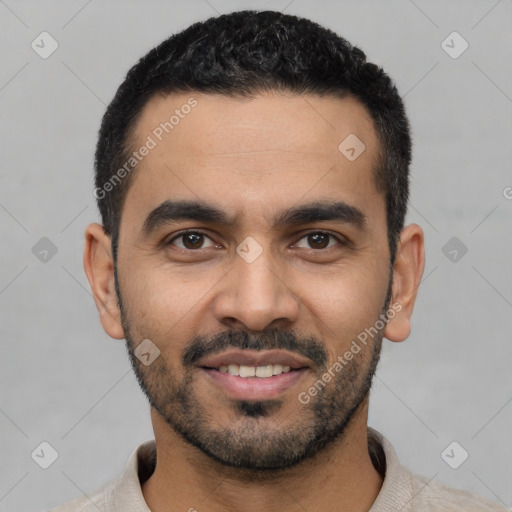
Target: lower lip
{"points": [[255, 388]]}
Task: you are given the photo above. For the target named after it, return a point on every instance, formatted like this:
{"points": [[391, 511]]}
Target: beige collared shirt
{"points": [[401, 490]]}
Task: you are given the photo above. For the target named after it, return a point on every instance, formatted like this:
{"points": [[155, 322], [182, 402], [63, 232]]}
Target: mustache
{"points": [[307, 346]]}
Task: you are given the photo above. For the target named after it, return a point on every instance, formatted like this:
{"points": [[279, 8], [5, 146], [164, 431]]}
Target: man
{"points": [[252, 177]]}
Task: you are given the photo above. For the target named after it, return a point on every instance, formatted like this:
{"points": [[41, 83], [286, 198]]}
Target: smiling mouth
{"points": [[261, 372], [247, 374]]}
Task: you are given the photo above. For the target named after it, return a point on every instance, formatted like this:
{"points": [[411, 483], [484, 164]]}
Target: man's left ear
{"points": [[408, 270]]}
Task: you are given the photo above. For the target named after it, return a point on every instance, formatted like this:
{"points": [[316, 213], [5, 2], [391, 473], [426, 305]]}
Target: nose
{"points": [[256, 296]]}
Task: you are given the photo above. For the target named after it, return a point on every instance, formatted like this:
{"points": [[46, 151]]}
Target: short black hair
{"points": [[245, 53]]}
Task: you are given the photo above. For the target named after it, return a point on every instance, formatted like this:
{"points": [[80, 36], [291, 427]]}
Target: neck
{"points": [[339, 478]]}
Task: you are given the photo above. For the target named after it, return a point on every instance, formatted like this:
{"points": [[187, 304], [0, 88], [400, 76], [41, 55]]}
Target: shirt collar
{"points": [[128, 495], [396, 487]]}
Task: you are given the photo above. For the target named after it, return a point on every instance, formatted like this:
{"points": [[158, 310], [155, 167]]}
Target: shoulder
{"points": [[434, 496], [408, 492], [102, 499], [121, 493]]}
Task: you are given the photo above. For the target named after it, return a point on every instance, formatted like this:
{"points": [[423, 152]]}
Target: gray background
{"points": [[64, 381]]}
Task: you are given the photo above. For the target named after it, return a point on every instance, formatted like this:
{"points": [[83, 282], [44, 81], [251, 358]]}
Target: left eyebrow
{"points": [[176, 210], [317, 211]]}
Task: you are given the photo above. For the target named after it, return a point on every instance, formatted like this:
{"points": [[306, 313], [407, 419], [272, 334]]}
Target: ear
{"points": [[99, 267], [407, 272]]}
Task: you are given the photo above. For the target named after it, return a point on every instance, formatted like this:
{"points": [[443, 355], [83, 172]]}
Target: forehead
{"points": [[270, 151], [195, 124]]}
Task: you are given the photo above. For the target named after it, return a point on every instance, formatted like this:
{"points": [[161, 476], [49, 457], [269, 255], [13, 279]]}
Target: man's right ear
{"points": [[99, 267]]}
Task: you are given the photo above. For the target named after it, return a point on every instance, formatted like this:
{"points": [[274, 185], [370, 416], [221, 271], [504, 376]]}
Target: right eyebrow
{"points": [[177, 210]]}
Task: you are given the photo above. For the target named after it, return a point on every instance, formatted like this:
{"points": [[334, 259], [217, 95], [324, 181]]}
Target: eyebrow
{"points": [[178, 210]]}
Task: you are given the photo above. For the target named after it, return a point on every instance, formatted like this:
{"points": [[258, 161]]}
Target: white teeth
{"points": [[262, 372], [247, 371], [233, 369], [278, 368]]}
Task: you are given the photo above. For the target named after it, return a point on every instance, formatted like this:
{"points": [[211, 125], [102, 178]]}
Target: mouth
{"points": [[261, 372], [254, 375]]}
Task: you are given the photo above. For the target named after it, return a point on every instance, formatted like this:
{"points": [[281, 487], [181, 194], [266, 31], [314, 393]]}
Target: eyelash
{"points": [[198, 232]]}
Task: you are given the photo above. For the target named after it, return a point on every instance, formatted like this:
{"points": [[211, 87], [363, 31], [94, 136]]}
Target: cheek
{"points": [[344, 303], [164, 303], [157, 290]]}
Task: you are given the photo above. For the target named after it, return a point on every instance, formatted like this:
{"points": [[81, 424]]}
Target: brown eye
{"points": [[191, 240], [318, 240]]}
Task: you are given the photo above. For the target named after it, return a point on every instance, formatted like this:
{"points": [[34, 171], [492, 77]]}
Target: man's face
{"points": [[291, 266]]}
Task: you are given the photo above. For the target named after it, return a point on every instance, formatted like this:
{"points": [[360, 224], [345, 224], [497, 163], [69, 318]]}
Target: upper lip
{"points": [[246, 357]]}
